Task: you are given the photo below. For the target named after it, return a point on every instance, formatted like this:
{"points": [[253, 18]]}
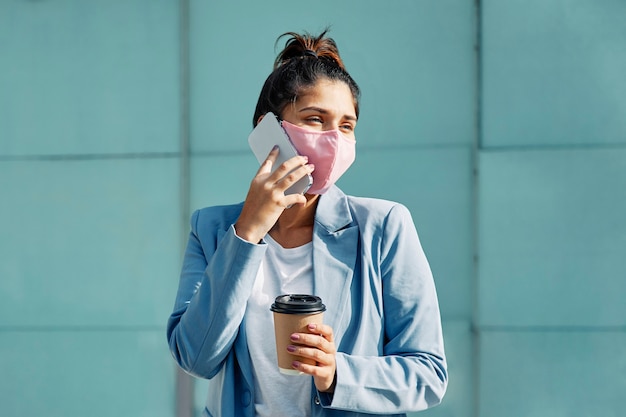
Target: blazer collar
{"points": [[335, 248], [333, 213]]}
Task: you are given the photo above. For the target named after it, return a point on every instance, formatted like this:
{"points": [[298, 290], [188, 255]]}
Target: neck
{"points": [[295, 226]]}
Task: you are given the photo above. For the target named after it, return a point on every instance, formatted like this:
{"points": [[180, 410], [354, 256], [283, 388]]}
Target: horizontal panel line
{"points": [[574, 147], [550, 329], [90, 157], [80, 328], [361, 149], [237, 152], [419, 147], [162, 155]]}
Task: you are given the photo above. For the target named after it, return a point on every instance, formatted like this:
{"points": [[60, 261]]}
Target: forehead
{"points": [[329, 95]]}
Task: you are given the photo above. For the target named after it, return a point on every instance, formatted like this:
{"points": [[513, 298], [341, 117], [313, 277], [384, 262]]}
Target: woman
{"points": [[380, 349]]}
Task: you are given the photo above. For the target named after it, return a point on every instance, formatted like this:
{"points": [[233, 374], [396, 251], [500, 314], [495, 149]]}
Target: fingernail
{"points": [[295, 364], [295, 337], [311, 167], [275, 147], [291, 348], [306, 158], [312, 326]]}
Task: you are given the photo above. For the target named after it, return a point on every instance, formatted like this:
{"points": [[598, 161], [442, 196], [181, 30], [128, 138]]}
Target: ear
{"points": [[260, 118]]}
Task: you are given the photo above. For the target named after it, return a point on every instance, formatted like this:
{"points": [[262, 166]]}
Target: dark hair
{"points": [[303, 61]]}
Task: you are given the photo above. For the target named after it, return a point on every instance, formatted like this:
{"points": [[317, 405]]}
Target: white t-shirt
{"points": [[282, 271]]}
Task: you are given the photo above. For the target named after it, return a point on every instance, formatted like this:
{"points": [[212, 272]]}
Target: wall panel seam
{"points": [[183, 382], [475, 330]]}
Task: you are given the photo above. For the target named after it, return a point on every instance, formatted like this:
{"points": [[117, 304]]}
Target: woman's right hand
{"points": [[266, 199]]}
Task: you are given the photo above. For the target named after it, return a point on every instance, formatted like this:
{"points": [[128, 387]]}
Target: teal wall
{"points": [[500, 124]]}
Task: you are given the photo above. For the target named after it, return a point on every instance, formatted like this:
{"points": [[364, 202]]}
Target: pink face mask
{"points": [[330, 151]]}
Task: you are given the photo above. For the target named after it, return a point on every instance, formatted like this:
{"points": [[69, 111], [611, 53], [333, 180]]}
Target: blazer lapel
{"points": [[335, 246]]}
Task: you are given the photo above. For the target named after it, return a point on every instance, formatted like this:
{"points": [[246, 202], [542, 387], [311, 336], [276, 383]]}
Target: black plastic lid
{"points": [[298, 304]]}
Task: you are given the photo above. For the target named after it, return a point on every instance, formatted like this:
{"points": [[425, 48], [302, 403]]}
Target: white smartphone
{"points": [[267, 133]]}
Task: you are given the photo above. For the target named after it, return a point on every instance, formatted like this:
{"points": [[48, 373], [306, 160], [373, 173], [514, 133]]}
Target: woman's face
{"points": [[327, 105]]}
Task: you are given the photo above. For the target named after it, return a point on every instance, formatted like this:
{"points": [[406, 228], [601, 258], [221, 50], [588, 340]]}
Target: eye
{"points": [[314, 119], [347, 127]]}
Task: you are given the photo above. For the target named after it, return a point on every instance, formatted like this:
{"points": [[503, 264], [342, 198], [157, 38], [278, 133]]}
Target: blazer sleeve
{"points": [[215, 283], [411, 374]]}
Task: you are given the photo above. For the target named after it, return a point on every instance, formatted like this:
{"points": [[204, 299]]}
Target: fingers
{"points": [[322, 363], [291, 170], [266, 166], [318, 346], [320, 336], [293, 199], [324, 330]]}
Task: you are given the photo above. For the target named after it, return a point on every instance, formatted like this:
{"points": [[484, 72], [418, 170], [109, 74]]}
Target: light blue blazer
{"points": [[369, 269]]}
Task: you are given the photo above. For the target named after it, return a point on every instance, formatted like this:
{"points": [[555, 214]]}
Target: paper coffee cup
{"points": [[292, 314]]}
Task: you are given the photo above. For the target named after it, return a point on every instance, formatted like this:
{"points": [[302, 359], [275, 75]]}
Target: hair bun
{"points": [[308, 46]]}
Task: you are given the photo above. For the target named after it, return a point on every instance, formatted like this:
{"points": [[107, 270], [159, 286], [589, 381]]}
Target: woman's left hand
{"points": [[318, 345]]}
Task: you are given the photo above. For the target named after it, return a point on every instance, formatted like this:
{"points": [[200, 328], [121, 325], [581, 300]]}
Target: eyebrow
{"points": [[323, 111]]}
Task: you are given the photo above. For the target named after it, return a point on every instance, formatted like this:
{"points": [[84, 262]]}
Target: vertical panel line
{"points": [[475, 333], [184, 382]]}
